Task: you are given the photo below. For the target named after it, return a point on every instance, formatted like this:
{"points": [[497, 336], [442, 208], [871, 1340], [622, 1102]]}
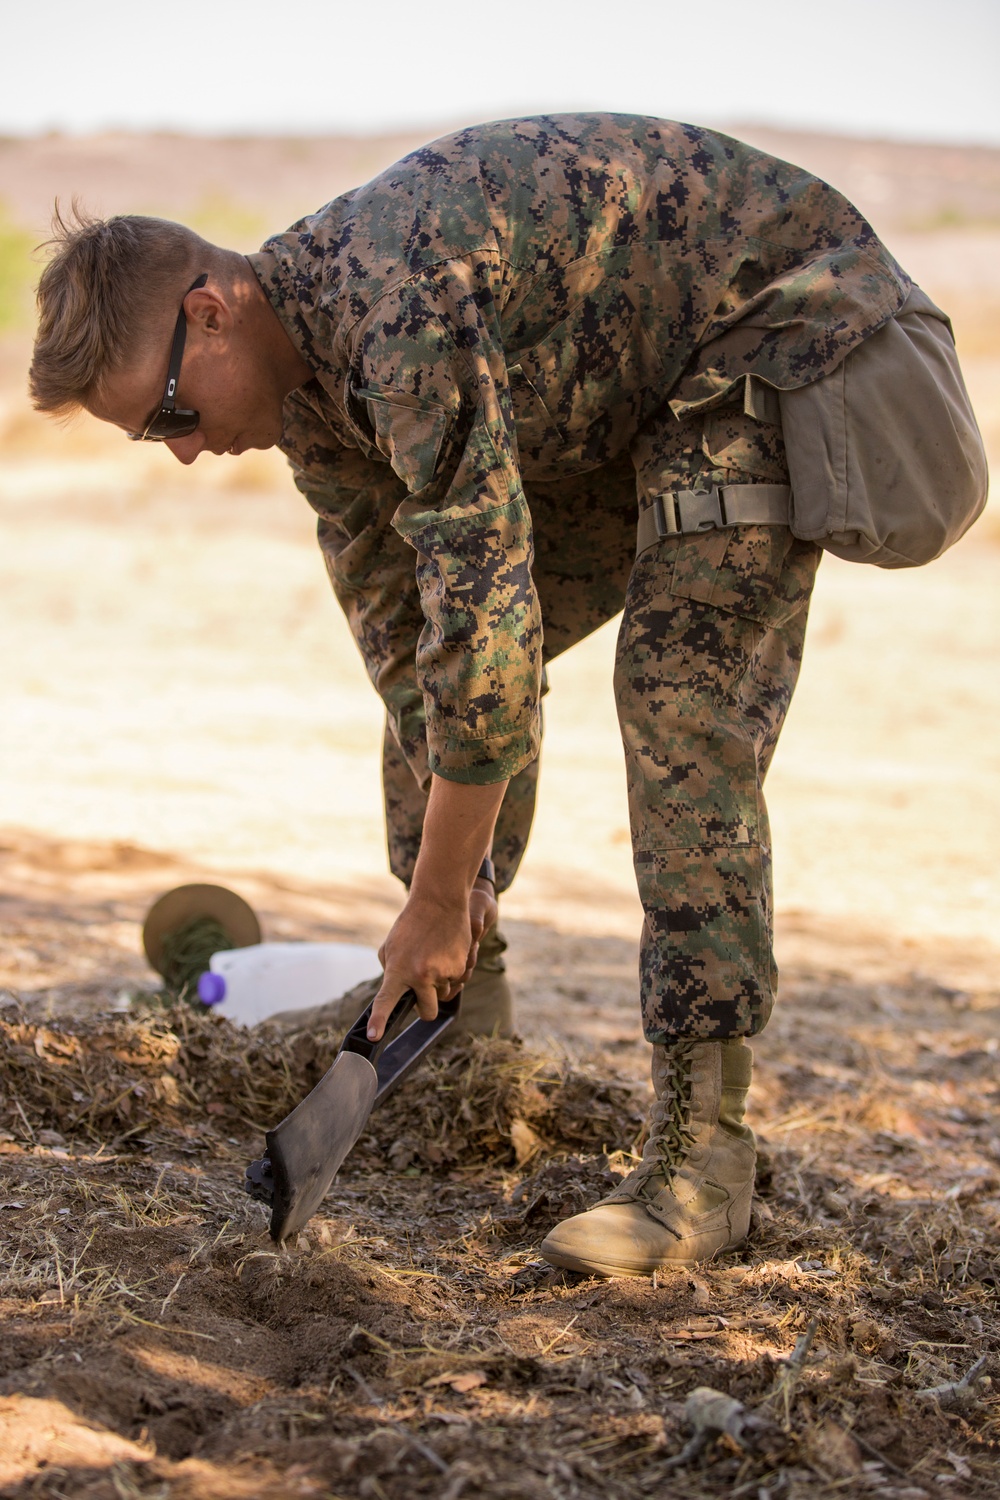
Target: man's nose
{"points": [[186, 449]]}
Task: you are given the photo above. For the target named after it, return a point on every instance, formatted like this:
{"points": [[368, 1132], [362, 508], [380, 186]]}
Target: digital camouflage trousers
{"points": [[708, 655]]}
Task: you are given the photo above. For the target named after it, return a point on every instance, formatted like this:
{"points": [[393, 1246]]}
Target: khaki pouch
{"points": [[884, 456]]}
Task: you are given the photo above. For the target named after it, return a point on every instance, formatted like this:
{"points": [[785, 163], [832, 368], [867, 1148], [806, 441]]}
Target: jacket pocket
{"points": [[402, 429]]}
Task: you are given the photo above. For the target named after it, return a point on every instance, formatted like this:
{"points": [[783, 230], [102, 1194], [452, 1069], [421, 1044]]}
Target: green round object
{"points": [[188, 903]]}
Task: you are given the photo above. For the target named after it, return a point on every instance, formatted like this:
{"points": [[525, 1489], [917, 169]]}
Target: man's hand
{"points": [[431, 949], [482, 916], [433, 944]]}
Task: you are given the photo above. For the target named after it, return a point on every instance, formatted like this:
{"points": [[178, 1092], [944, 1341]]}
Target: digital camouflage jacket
{"points": [[518, 305]]}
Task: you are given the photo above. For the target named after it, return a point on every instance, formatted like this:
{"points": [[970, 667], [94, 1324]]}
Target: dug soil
{"points": [[411, 1343]]}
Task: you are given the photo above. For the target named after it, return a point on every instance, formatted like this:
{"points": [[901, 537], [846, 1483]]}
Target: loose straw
{"points": [[186, 954]]}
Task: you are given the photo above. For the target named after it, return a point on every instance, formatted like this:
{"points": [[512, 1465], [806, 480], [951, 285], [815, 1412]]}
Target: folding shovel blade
{"points": [[307, 1149], [305, 1152]]}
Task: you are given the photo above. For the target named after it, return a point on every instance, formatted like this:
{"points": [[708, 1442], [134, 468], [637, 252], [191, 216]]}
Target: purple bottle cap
{"points": [[211, 988]]}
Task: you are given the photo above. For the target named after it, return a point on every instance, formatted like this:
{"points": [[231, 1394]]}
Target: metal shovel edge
{"points": [[304, 1153]]}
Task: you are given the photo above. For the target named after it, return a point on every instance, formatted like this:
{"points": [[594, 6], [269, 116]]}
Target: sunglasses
{"points": [[168, 420]]}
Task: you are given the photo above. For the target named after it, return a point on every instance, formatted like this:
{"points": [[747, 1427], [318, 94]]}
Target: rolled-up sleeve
{"points": [[368, 563], [429, 391]]}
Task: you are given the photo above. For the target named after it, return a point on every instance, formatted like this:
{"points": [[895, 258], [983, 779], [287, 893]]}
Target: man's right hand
{"points": [[427, 951], [431, 949], [433, 943]]}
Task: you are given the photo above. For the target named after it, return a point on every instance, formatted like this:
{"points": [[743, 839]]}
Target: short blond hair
{"points": [[107, 282]]}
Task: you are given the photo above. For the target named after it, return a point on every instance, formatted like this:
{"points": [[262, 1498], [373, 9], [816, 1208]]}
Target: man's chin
{"points": [[248, 440]]}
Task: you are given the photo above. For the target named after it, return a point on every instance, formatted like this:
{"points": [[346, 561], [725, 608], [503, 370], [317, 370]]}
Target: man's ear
{"points": [[208, 313]]}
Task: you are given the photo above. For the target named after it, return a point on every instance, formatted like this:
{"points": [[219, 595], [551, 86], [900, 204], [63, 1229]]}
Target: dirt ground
{"points": [[180, 700]]}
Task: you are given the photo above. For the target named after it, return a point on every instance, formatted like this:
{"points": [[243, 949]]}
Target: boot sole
{"points": [[599, 1268]]}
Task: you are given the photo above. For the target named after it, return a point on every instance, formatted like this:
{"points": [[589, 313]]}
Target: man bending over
{"points": [[529, 377]]}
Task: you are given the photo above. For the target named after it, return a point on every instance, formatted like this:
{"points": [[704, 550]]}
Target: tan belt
{"points": [[681, 512]]}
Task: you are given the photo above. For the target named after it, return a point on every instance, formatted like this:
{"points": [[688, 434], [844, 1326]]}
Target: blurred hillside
{"points": [[899, 185]]}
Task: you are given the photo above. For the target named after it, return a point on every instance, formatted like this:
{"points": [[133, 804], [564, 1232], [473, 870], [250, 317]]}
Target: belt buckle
{"points": [[699, 510]]}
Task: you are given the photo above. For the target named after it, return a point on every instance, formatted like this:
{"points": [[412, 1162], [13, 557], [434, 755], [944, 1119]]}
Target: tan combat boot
{"points": [[689, 1198], [487, 1007]]}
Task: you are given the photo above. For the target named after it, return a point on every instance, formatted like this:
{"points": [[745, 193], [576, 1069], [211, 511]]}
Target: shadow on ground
{"points": [[157, 1344]]}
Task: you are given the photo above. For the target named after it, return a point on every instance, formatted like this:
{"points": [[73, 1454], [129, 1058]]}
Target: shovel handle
{"points": [[357, 1039], [405, 1050]]}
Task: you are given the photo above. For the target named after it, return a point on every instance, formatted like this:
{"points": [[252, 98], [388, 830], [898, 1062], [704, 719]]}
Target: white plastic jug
{"points": [[250, 984]]}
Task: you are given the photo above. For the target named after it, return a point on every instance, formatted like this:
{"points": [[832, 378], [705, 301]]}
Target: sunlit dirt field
{"points": [[180, 699]]}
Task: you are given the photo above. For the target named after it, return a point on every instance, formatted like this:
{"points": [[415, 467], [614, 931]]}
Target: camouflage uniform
{"points": [[515, 332]]}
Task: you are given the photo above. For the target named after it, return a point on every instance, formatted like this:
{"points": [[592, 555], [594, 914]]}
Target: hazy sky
{"points": [[926, 69]]}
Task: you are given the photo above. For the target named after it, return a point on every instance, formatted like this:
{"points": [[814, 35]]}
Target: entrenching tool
{"points": [[305, 1152]]}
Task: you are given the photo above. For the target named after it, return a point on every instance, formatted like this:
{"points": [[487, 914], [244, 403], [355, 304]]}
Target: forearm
{"points": [[433, 943], [457, 834]]}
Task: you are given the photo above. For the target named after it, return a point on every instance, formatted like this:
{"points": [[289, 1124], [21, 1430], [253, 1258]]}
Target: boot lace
{"points": [[670, 1133]]}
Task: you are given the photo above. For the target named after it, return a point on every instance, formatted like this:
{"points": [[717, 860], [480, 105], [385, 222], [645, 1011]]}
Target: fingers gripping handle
{"points": [[357, 1039]]}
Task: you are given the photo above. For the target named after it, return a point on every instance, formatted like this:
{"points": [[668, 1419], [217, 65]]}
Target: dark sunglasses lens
{"points": [[167, 424]]}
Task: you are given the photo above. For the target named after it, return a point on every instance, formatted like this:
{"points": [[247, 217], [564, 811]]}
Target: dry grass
{"points": [[412, 1343], [126, 1080]]}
